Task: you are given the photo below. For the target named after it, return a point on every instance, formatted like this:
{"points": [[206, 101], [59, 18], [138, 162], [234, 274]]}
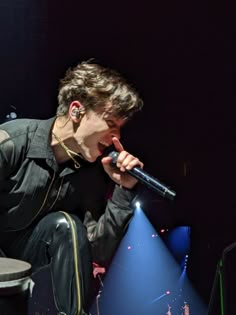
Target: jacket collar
{"points": [[40, 147], [40, 143]]}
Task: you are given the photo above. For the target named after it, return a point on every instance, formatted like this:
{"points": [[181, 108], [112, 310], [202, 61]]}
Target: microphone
{"points": [[149, 181]]}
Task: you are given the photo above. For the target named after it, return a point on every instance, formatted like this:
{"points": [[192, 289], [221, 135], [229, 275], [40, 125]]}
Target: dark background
{"points": [[180, 56]]}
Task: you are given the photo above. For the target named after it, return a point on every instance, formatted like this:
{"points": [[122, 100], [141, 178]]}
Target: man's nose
{"points": [[116, 133]]}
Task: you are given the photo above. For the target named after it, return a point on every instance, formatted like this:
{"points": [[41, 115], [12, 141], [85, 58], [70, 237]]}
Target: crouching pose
{"points": [[62, 203]]}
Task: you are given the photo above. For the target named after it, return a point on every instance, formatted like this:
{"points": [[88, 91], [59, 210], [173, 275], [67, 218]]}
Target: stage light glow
{"points": [[140, 282], [137, 204], [11, 116], [178, 241]]}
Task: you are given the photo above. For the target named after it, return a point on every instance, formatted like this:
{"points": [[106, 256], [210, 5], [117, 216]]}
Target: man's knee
{"points": [[63, 223]]}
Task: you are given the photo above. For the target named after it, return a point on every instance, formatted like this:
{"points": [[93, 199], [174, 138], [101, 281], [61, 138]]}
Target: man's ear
{"points": [[76, 111]]}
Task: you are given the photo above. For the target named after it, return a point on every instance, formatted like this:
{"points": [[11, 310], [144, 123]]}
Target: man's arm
{"points": [[106, 233], [6, 154]]}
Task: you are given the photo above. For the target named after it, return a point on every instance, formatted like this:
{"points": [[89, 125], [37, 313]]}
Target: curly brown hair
{"points": [[95, 86]]}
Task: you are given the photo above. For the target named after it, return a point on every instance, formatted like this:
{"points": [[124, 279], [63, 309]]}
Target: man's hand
{"points": [[125, 161]]}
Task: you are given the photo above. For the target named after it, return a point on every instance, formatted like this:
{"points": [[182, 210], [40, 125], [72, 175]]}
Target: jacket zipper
{"points": [[44, 201], [57, 196]]}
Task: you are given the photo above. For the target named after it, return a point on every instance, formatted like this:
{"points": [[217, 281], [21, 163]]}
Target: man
{"points": [[57, 205]]}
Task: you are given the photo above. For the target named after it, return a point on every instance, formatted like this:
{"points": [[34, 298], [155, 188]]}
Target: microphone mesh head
{"points": [[114, 156]]}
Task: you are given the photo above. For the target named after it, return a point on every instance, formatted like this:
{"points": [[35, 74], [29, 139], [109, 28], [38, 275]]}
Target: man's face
{"points": [[95, 133]]}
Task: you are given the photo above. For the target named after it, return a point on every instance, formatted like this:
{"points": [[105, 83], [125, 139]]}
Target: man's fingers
{"points": [[117, 144]]}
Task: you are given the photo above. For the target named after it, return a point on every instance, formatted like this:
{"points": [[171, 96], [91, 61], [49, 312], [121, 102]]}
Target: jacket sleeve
{"points": [[106, 233], [7, 156]]}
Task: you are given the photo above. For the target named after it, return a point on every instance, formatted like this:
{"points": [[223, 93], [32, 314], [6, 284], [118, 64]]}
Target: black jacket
{"points": [[32, 184]]}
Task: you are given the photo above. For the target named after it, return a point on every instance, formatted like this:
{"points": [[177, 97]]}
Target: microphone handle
{"points": [[152, 183], [146, 179]]}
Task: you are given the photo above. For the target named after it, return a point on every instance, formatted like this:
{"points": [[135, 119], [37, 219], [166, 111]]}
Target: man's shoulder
{"points": [[19, 125], [19, 128], [19, 136]]}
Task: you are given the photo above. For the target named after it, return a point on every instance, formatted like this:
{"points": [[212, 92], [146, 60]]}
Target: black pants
{"points": [[60, 241]]}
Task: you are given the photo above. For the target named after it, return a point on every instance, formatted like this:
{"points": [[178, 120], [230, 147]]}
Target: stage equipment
{"points": [[223, 294], [15, 283]]}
